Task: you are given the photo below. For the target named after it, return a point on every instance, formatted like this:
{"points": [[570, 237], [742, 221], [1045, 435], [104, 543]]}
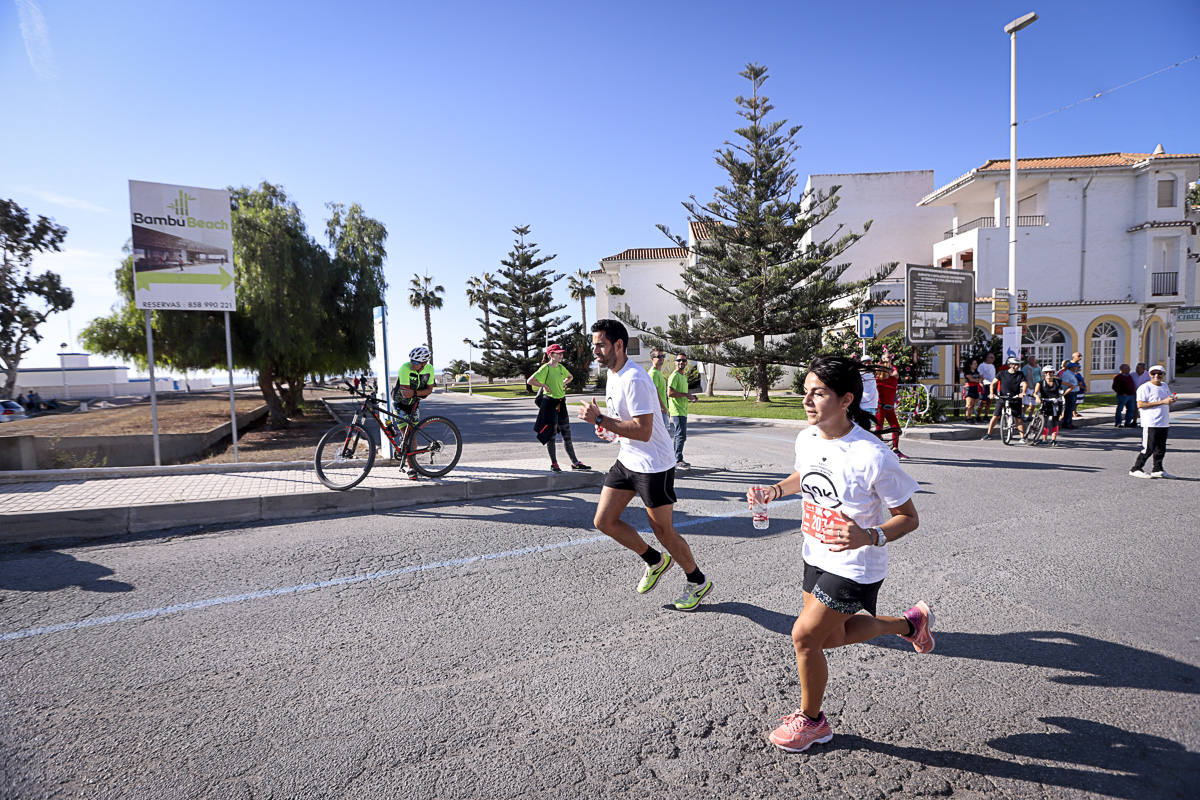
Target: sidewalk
{"points": [[64, 504]]}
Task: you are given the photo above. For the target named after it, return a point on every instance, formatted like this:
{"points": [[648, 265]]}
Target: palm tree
{"points": [[421, 294], [481, 292], [581, 289]]}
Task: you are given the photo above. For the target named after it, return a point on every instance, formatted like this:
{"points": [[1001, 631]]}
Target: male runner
{"points": [[645, 466]]}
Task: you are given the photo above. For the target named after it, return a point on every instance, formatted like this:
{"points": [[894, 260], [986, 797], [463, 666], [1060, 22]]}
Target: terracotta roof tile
{"points": [[648, 254], [699, 230]]}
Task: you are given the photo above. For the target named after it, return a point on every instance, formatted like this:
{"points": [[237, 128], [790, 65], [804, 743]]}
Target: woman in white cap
{"points": [[553, 377]]}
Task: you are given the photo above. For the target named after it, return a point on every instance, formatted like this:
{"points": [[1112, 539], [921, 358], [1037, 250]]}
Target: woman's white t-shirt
{"points": [[856, 475], [631, 393]]}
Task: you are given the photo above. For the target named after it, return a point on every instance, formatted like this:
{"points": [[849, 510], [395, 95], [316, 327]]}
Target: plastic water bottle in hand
{"points": [[758, 509], [606, 434]]}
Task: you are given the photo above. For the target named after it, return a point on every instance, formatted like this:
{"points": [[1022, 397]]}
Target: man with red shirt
{"points": [[887, 381]]}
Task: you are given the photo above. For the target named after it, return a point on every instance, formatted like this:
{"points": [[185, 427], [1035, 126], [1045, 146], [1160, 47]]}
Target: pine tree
{"points": [[754, 278], [523, 313]]}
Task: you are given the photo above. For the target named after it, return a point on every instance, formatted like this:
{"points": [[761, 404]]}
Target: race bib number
{"points": [[818, 522]]}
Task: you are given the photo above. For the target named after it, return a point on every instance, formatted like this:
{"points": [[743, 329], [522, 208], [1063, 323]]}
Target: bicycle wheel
{"points": [[434, 447], [1033, 428], [344, 456], [1008, 426]]}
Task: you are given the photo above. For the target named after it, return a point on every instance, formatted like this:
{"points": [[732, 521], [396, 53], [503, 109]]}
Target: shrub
{"points": [[746, 378], [1187, 354]]}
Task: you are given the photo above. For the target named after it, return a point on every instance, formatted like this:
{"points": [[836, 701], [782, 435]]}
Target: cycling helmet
{"points": [[420, 353], [1013, 360], [1047, 369]]}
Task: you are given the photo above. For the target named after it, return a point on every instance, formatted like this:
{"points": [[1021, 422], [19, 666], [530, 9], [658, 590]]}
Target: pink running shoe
{"points": [[921, 617], [798, 732]]}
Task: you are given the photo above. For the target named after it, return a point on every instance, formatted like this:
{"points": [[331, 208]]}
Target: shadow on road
{"points": [[1152, 766], [773, 621], [49, 572], [1095, 661]]}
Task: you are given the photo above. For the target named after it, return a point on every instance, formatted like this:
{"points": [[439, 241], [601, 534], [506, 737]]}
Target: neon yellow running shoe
{"points": [[650, 579], [692, 594]]}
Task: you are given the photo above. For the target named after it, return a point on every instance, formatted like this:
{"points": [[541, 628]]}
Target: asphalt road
{"points": [[499, 650]]}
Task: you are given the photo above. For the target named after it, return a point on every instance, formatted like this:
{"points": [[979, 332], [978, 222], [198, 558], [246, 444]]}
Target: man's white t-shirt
{"points": [[1159, 416], [987, 372], [870, 398], [856, 475], [631, 393]]}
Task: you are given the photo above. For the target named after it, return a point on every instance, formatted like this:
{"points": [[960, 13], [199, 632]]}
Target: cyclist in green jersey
{"points": [[415, 380], [553, 378]]}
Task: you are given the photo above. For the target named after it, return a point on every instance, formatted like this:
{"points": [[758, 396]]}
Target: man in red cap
{"points": [[553, 377]]}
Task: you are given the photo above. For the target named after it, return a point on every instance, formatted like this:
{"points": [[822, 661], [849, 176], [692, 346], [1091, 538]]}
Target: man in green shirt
{"points": [[660, 383], [678, 398], [553, 377]]}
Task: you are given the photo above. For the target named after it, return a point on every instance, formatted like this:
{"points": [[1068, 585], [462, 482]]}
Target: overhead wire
{"points": [[1100, 94]]}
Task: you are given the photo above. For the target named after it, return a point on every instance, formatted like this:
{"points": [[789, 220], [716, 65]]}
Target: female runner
{"points": [[856, 500]]}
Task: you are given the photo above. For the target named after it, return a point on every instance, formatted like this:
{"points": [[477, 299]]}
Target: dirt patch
{"points": [[192, 413], [297, 442]]}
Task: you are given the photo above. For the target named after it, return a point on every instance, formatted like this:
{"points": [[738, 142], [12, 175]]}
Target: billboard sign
{"points": [[939, 305], [182, 247]]}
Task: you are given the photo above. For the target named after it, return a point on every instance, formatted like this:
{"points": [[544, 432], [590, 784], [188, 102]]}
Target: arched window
{"points": [[1106, 339], [1047, 342]]}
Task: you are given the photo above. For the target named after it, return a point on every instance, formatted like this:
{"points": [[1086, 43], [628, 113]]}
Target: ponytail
{"points": [[844, 376]]}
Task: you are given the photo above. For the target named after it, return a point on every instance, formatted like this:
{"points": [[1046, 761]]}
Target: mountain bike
{"points": [[1035, 426], [1008, 421], [346, 453]]}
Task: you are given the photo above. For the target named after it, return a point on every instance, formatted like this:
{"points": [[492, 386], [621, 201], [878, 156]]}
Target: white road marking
{"points": [[196, 605]]}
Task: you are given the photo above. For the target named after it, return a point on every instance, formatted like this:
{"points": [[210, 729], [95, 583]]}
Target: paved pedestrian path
{"points": [[65, 507]]}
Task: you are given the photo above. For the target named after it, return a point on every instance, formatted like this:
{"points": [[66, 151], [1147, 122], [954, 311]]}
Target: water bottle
{"points": [[758, 509], [606, 434]]}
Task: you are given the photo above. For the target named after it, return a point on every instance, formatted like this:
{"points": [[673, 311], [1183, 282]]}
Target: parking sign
{"points": [[866, 326]]}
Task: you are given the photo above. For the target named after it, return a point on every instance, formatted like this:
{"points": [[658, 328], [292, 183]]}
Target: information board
{"points": [[182, 247], [939, 305]]}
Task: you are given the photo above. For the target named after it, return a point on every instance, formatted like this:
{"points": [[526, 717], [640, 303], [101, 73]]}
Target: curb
{"points": [[93, 523]]}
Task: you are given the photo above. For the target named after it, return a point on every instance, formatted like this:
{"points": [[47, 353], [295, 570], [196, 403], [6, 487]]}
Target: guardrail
{"points": [[1027, 221]]}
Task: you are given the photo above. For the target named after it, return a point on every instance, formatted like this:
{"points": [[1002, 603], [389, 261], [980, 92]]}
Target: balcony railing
{"points": [[1164, 283], [990, 222]]}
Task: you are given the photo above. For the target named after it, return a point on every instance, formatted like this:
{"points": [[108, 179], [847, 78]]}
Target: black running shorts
{"points": [[838, 593], [655, 488]]}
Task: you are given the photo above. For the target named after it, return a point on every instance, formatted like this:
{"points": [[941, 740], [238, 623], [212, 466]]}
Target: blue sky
{"points": [[454, 122]]}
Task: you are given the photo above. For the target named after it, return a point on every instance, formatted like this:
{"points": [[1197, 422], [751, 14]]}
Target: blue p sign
{"points": [[866, 326]]}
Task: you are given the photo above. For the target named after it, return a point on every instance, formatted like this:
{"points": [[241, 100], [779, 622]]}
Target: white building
{"points": [[73, 379], [1105, 249]]}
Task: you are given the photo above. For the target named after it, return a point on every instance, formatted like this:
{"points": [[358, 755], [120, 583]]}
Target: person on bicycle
{"points": [[1008, 389], [1049, 392], [553, 378], [415, 380]]}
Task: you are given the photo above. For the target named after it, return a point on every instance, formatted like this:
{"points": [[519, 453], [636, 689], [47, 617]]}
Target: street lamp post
{"points": [[1011, 29], [470, 358]]}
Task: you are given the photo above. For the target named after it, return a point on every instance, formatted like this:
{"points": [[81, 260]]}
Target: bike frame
{"points": [[370, 407]]}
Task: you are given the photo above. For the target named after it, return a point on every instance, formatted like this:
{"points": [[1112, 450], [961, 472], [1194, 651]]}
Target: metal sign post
{"points": [[153, 391], [233, 425]]}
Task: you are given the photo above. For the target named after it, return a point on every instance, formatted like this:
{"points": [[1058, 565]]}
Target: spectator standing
{"points": [[887, 383], [1032, 374], [1140, 375], [35, 400], [1154, 400], [870, 395], [22, 400], [1070, 382], [972, 390], [987, 371], [552, 378], [1126, 391], [657, 358], [678, 398]]}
